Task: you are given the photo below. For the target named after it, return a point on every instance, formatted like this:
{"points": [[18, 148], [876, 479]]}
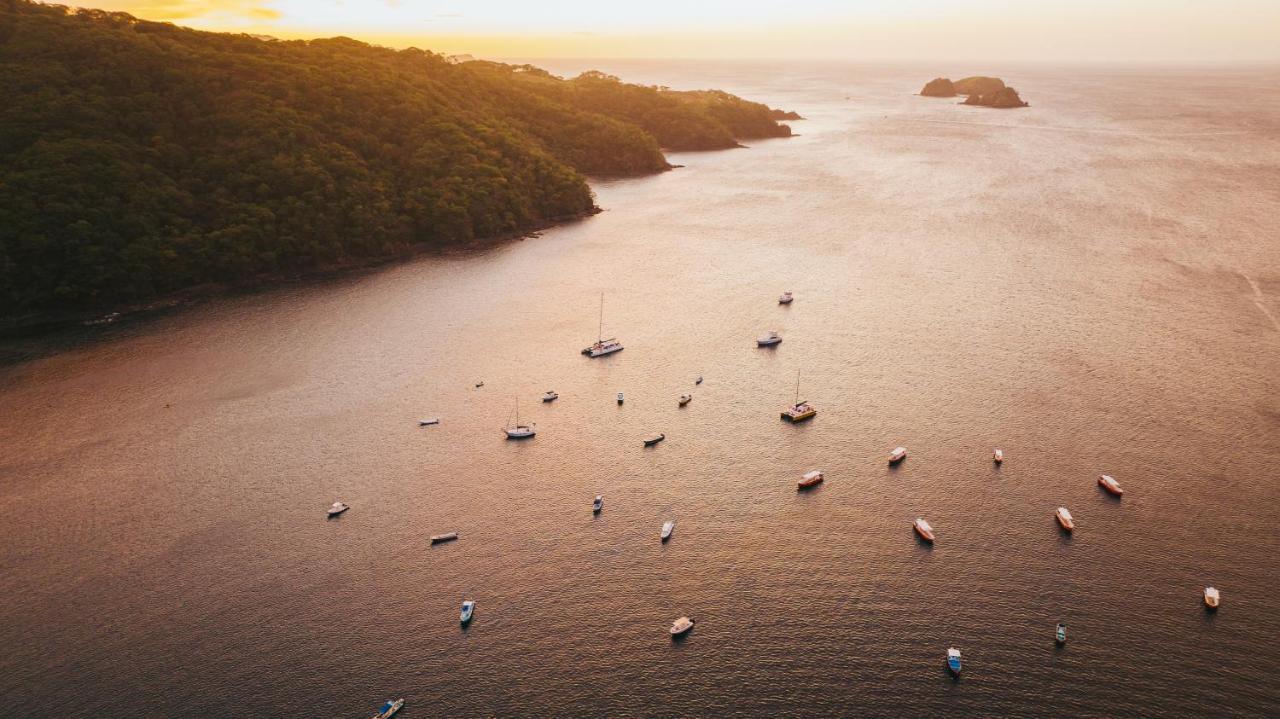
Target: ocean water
{"points": [[1091, 284]]}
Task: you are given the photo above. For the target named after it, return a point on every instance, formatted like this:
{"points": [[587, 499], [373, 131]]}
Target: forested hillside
{"points": [[139, 158]]}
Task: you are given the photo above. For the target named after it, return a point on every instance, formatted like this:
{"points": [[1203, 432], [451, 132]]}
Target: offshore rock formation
{"points": [[1005, 98], [979, 85], [939, 87]]}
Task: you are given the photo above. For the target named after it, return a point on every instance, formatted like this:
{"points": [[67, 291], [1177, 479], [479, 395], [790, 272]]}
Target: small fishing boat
{"points": [[953, 661], [1064, 519], [428, 421], [699, 380], [440, 538], [468, 608], [768, 339], [810, 479], [479, 385], [786, 298], [602, 346], [667, 529], [998, 456], [685, 399], [923, 529], [619, 398], [389, 709], [598, 504], [654, 439], [1060, 634], [337, 508], [550, 396], [681, 626], [1211, 597], [517, 430], [1110, 484], [897, 455]]}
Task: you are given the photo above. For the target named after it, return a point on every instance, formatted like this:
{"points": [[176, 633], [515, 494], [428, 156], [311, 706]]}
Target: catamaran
{"points": [[602, 346], [801, 410], [517, 430]]}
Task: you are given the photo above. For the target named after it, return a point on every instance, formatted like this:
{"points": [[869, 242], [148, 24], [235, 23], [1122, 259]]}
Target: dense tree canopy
{"points": [[138, 158]]}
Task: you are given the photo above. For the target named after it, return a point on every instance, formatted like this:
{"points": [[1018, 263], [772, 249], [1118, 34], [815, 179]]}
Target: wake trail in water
{"points": [[1260, 300]]}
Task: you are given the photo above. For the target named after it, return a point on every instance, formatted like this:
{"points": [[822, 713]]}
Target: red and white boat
{"points": [[810, 479], [1064, 519], [1109, 483], [924, 530]]}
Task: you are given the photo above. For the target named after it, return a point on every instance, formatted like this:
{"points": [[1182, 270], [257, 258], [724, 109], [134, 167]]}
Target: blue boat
{"points": [[1061, 634], [389, 709], [953, 660], [468, 608]]}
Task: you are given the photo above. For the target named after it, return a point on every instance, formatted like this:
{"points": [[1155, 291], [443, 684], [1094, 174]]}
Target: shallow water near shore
{"points": [[1091, 284]]}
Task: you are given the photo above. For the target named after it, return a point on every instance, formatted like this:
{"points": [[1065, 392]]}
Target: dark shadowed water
{"points": [[1091, 284]]}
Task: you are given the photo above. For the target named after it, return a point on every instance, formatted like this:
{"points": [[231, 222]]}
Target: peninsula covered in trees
{"points": [[141, 158]]}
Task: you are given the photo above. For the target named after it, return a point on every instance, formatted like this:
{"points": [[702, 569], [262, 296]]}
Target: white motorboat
{"points": [[953, 660], [786, 298], [602, 346], [550, 396], [389, 709], [1110, 484], [598, 504], [428, 421], [619, 398], [517, 430], [1064, 519], [811, 479], [685, 399], [923, 529], [667, 529], [768, 339], [897, 455], [681, 626], [337, 508], [468, 608], [997, 456], [1211, 597]]}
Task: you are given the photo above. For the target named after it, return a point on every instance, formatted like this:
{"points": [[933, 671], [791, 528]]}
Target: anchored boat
{"points": [[1064, 519], [810, 479], [667, 529], [897, 455], [441, 538], [768, 339], [550, 396], [1060, 634], [801, 410], [1109, 483], [654, 439], [598, 504], [602, 346], [389, 709], [468, 608], [953, 661], [685, 399], [786, 298], [681, 626], [517, 430], [998, 456], [1211, 597], [337, 508], [923, 529]]}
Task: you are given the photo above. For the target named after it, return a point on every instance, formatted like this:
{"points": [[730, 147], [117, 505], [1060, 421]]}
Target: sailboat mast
{"points": [[797, 386], [600, 329]]}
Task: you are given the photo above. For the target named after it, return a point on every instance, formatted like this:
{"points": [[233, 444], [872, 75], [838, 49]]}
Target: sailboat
{"points": [[799, 411], [517, 430], [602, 346]]}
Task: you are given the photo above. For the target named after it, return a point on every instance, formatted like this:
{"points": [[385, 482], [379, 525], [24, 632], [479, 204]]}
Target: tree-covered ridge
{"points": [[139, 158]]}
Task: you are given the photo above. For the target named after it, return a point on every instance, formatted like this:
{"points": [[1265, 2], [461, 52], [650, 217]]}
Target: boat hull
{"points": [[1112, 488], [442, 538], [654, 440], [794, 417], [924, 534], [1067, 525]]}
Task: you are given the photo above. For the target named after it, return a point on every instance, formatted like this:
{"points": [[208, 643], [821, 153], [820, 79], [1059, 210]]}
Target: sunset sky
{"points": [[1176, 31]]}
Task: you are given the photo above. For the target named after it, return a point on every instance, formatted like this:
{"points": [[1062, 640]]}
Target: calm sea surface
{"points": [[1091, 284]]}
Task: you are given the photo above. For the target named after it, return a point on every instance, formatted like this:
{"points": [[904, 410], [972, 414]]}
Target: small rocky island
{"points": [[979, 90]]}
